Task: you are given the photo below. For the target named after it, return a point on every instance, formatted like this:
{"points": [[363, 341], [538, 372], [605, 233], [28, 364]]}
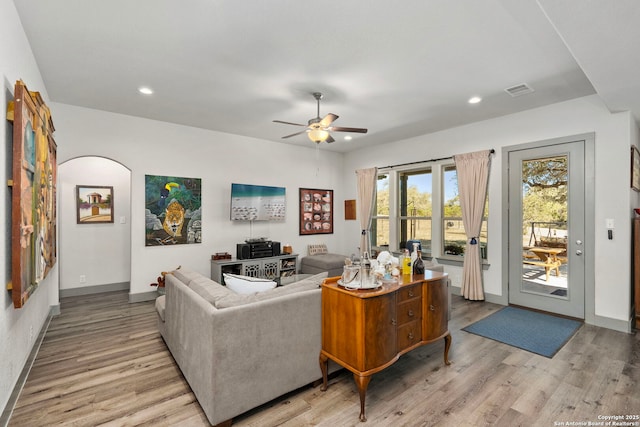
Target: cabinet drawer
{"points": [[408, 292], [409, 334], [409, 311]]}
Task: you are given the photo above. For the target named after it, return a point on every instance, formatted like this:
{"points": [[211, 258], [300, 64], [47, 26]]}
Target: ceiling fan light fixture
{"points": [[318, 135], [145, 90]]}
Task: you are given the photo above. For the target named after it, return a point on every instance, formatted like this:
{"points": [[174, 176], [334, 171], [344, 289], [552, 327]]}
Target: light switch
{"points": [[123, 220], [610, 223]]}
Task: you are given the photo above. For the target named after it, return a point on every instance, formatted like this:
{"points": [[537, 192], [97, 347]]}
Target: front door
{"points": [[547, 228]]}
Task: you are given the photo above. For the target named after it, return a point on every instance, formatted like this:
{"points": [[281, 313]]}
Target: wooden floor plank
{"points": [[103, 362]]}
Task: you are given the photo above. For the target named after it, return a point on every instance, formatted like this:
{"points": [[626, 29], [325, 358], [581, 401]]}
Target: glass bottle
{"points": [[418, 265], [414, 255], [366, 274], [406, 263]]}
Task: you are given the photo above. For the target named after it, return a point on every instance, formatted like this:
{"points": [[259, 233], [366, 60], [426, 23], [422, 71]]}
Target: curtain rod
{"points": [[424, 161]]}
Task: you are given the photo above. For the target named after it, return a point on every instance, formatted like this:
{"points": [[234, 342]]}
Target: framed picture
{"points": [[94, 204], [33, 195], [635, 168], [173, 214], [316, 211]]}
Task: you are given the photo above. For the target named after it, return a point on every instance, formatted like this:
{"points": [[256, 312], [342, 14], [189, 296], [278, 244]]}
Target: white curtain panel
{"points": [[473, 175], [366, 198]]}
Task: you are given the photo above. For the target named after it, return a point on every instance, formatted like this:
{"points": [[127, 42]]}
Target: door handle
{"points": [[578, 252]]}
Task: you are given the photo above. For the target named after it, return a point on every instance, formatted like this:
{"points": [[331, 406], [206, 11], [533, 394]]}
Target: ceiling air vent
{"points": [[518, 90]]}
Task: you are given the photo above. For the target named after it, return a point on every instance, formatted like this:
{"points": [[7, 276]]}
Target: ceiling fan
{"points": [[317, 129]]}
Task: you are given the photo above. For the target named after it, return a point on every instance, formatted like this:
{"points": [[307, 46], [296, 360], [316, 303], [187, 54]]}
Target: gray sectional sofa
{"points": [[240, 351]]}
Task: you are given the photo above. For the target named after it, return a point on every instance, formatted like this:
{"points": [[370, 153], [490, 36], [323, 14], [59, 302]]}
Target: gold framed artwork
{"points": [[635, 168], [316, 211], [94, 204], [33, 193]]}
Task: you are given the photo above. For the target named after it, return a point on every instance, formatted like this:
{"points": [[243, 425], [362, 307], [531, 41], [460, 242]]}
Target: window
{"points": [[380, 219], [404, 211], [454, 237], [414, 208]]}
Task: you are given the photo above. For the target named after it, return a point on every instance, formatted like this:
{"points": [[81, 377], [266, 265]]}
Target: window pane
{"points": [[415, 208], [455, 239], [380, 232], [453, 229], [380, 220], [382, 196], [420, 229]]}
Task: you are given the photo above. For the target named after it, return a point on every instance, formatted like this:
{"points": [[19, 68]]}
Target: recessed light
{"points": [[474, 100], [348, 137], [145, 90]]}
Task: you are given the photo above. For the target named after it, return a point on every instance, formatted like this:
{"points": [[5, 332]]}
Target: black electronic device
{"points": [[257, 249]]}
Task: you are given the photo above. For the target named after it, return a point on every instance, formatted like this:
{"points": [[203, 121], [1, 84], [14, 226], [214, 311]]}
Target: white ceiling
{"points": [[400, 70]]}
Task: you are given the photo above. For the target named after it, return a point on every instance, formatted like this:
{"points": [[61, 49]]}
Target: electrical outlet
{"points": [[83, 278], [30, 333]]}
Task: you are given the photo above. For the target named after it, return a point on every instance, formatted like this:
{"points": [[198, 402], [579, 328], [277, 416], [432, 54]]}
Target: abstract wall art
{"points": [[33, 193]]}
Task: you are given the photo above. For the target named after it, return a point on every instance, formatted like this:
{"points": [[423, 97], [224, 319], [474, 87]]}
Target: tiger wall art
{"points": [[173, 213]]}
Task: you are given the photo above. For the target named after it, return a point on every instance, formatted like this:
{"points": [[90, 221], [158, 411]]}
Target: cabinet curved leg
{"points": [[362, 383], [324, 362], [447, 345]]}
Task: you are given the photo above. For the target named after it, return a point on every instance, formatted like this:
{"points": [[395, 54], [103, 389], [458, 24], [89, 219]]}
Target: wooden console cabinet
{"points": [[366, 331]]}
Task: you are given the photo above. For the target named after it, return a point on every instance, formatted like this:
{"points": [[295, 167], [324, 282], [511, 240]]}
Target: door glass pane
{"points": [[544, 226]]}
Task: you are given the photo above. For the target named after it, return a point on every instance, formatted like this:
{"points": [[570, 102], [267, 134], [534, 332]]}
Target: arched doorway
{"points": [[94, 257]]}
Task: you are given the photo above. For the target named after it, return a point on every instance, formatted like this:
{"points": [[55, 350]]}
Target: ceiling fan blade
{"points": [[294, 134], [288, 123], [343, 129], [329, 139], [328, 119]]}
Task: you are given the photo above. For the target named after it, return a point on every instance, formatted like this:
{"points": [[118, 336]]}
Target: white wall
{"points": [[99, 252], [16, 62], [158, 148], [583, 115]]}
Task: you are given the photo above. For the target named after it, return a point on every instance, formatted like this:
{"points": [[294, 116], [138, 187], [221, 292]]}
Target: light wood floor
{"points": [[103, 362]]}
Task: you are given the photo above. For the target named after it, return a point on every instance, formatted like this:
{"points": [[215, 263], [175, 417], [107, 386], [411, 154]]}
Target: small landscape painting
{"points": [[94, 204], [173, 214]]}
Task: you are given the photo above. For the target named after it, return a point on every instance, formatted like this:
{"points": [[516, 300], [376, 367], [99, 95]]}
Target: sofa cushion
{"points": [[160, 306], [247, 285], [208, 289], [317, 249], [324, 261], [306, 284], [185, 275]]}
